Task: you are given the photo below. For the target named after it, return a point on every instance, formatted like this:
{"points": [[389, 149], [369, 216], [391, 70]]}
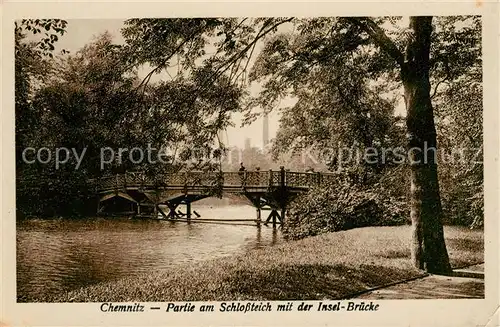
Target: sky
{"points": [[83, 31]]}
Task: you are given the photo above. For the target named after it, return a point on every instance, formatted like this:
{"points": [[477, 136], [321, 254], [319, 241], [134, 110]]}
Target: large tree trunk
{"points": [[428, 248]]}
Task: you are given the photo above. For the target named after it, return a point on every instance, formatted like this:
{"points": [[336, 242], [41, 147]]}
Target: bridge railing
{"points": [[248, 178], [195, 179], [181, 179], [258, 178], [109, 183]]}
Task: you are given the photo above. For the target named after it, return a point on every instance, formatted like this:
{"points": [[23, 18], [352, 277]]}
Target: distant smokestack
{"points": [[265, 131]]}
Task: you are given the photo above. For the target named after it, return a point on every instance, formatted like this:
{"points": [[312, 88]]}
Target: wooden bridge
{"points": [[266, 190]]}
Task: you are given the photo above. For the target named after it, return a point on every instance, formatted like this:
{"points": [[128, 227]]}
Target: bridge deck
{"points": [[198, 181]]}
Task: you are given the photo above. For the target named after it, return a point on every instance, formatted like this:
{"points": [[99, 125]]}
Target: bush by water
{"points": [[341, 206]]}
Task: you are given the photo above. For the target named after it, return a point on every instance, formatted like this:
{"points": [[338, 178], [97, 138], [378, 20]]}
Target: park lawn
{"points": [[329, 266]]}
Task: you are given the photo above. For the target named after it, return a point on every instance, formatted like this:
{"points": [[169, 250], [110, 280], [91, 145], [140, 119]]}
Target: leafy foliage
{"points": [[32, 67], [49, 31], [344, 85], [347, 203], [345, 88], [94, 99], [458, 98]]}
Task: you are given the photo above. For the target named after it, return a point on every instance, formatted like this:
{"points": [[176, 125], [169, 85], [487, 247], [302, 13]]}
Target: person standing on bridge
{"points": [[242, 173]]}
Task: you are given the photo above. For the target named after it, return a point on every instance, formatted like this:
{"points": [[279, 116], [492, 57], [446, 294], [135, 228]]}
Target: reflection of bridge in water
{"points": [[266, 190]]}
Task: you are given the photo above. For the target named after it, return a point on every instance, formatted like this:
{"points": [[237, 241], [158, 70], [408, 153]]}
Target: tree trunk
{"points": [[428, 250]]}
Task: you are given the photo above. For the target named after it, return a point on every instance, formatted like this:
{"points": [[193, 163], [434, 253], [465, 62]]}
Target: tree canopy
{"points": [[346, 78]]}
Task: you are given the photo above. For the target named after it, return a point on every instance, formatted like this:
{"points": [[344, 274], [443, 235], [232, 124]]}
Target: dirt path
{"points": [[464, 284]]}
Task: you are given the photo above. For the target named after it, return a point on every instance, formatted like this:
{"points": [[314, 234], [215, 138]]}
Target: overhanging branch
{"points": [[379, 37]]}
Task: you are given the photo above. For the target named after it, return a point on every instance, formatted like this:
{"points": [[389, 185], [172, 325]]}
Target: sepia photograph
{"points": [[249, 164], [249, 158]]}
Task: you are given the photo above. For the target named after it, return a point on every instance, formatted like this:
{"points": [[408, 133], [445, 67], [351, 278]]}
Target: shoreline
{"points": [[328, 266]]}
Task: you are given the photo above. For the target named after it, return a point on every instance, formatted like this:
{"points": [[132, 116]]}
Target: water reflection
{"points": [[59, 255]]}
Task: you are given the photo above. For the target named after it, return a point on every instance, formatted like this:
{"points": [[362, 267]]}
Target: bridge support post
{"points": [[172, 207], [275, 217], [161, 211], [188, 210], [258, 216]]}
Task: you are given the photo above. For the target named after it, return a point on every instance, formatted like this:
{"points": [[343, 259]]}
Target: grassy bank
{"points": [[329, 266]]}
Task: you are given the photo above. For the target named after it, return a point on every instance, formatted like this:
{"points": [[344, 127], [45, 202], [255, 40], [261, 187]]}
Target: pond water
{"points": [[60, 255]]}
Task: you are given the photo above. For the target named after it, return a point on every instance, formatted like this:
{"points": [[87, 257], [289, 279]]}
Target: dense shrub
{"points": [[49, 193], [462, 198], [340, 206], [464, 208]]}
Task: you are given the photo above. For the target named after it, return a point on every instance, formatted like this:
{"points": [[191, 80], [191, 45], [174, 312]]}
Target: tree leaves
{"points": [[50, 28], [338, 79]]}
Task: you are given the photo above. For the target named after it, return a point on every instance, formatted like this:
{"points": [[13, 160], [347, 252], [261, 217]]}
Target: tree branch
{"points": [[447, 77], [164, 61], [437, 85], [237, 56], [248, 61], [379, 37], [223, 67]]}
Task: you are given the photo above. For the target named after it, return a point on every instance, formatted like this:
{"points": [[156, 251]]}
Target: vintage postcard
{"points": [[253, 164]]}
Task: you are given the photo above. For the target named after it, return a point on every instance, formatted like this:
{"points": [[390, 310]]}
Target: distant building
{"points": [[248, 145], [265, 131]]}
